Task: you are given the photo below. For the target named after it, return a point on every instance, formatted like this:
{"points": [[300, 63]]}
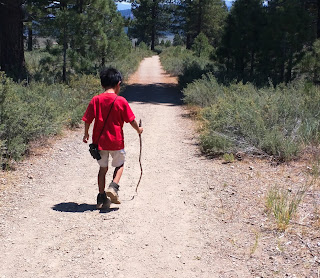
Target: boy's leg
{"points": [[102, 200], [102, 179], [118, 158], [117, 174], [113, 188]]}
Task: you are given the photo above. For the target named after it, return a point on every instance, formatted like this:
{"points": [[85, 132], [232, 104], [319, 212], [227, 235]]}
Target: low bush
{"points": [[183, 63], [240, 117], [35, 110]]}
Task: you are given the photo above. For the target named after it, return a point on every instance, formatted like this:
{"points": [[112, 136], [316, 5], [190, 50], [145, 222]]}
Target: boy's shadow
{"points": [[75, 207]]}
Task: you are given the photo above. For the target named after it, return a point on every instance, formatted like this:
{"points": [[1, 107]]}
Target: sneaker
{"points": [[112, 193], [103, 201]]}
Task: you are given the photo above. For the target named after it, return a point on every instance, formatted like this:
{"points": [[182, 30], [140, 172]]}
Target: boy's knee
{"points": [[103, 170], [121, 166]]}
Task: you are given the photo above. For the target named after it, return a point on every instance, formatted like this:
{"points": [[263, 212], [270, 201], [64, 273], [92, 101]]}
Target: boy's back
{"points": [[112, 137]]}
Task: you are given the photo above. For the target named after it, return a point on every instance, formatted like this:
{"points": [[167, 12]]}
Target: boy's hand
{"points": [[85, 138], [140, 130], [136, 127]]}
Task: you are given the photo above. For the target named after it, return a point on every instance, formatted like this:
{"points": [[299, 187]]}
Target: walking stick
{"points": [[136, 192], [140, 124]]}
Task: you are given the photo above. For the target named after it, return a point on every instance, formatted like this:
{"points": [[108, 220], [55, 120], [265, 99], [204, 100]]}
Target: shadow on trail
{"points": [[75, 207], [159, 93]]}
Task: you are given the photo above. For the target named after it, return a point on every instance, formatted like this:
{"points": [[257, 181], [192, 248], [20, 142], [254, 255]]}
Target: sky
{"points": [[229, 3], [127, 6]]}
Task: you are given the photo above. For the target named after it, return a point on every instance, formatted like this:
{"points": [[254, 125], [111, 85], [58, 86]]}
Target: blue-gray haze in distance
{"points": [[123, 6]]}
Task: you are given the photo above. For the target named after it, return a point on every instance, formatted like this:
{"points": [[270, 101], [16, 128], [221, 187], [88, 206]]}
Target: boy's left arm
{"points": [[86, 132]]}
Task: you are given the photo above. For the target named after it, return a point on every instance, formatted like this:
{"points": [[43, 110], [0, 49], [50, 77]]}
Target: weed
{"points": [[315, 169], [228, 158], [255, 245], [283, 205]]}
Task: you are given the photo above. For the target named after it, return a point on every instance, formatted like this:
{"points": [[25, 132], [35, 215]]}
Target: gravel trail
{"points": [[192, 218], [49, 225]]}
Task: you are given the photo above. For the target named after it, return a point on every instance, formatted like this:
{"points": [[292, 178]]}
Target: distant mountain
{"points": [[126, 13], [125, 8]]}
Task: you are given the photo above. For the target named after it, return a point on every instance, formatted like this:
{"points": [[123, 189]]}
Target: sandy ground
{"points": [[192, 217]]}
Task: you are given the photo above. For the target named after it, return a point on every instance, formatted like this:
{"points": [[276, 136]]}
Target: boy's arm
{"points": [[86, 132], [136, 127]]}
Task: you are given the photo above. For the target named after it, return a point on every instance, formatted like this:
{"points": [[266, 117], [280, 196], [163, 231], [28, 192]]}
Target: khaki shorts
{"points": [[118, 158]]}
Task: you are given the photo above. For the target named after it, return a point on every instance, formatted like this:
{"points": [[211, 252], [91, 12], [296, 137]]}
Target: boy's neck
{"points": [[110, 91]]}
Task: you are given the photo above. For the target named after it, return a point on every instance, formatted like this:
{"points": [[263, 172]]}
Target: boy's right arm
{"points": [[86, 132], [136, 127]]}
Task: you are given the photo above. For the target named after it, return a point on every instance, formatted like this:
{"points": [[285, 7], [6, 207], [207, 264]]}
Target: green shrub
{"points": [[201, 46], [36, 110], [177, 40], [181, 62], [203, 92], [277, 121], [310, 64], [214, 144], [167, 43], [173, 59]]}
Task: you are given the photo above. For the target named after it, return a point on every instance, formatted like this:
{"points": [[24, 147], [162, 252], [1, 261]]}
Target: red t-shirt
{"points": [[112, 138]]}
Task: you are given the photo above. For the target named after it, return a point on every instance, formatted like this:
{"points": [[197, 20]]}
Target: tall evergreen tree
{"points": [[287, 32], [11, 39], [152, 17], [191, 17], [242, 38], [265, 41], [90, 28], [35, 11]]}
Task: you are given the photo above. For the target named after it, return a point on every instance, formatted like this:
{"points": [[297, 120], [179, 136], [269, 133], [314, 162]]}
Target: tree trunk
{"points": [[80, 6], [30, 42], [289, 68], [200, 11], [318, 21], [11, 39], [63, 6], [252, 65], [65, 47], [154, 18], [188, 41]]}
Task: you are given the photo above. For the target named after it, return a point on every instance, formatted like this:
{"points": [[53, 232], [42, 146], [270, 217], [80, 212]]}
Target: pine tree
{"points": [[35, 11], [192, 17], [287, 32], [152, 17], [242, 38], [201, 46], [87, 29], [11, 39]]}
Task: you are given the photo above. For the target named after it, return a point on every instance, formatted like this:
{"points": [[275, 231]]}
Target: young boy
{"points": [[109, 135]]}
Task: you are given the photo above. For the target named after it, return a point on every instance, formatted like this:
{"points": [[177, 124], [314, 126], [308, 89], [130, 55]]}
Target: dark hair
{"points": [[110, 77]]}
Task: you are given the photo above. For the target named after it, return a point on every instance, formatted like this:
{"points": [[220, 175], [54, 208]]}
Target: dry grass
{"points": [[283, 204]]}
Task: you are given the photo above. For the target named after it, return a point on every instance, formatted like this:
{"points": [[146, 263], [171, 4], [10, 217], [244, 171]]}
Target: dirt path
{"points": [[193, 217], [53, 230]]}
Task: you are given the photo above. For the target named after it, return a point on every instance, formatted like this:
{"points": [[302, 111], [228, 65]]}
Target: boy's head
{"points": [[110, 78]]}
